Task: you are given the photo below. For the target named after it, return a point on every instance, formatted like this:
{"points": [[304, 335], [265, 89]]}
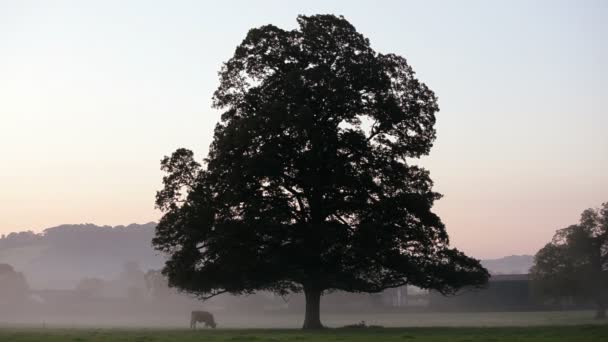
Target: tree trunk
{"points": [[601, 311], [312, 319]]}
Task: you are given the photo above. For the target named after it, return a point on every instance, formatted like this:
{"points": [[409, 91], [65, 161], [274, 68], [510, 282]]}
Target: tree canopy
{"points": [[575, 262], [309, 183]]}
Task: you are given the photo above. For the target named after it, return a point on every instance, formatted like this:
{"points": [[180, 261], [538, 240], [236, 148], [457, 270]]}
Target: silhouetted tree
{"points": [[575, 263], [308, 184]]}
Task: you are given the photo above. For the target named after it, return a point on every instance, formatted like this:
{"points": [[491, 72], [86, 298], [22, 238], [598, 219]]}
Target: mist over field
{"points": [[87, 275], [59, 257]]}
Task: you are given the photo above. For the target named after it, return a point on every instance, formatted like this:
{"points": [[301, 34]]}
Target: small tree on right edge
{"points": [[575, 262]]}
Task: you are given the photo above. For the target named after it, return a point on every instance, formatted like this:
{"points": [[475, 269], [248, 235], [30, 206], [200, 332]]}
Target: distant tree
{"points": [[132, 273], [308, 185], [575, 263], [157, 284], [19, 239], [133, 278], [13, 286], [90, 287]]}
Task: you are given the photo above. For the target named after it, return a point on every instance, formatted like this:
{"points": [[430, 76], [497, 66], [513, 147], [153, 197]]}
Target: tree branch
{"points": [[211, 295], [340, 219], [296, 195], [373, 132]]}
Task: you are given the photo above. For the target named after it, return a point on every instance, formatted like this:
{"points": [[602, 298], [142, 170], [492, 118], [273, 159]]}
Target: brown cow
{"points": [[203, 317]]}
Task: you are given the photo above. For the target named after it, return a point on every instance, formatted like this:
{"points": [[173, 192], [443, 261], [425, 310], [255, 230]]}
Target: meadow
{"points": [[520, 334], [293, 320], [421, 327]]}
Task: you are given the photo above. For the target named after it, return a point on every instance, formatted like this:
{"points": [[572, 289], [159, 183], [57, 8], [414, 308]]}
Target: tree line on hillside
{"points": [[58, 257]]}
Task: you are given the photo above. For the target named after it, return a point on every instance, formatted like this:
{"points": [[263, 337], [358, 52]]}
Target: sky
{"points": [[94, 93]]}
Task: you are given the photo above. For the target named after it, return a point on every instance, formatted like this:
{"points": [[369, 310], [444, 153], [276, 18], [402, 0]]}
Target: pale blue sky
{"points": [[94, 93]]}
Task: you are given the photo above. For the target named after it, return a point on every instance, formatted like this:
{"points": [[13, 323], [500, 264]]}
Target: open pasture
{"points": [[520, 334], [420, 327], [293, 320]]}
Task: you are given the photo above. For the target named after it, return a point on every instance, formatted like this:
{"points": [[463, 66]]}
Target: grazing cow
{"points": [[203, 317]]}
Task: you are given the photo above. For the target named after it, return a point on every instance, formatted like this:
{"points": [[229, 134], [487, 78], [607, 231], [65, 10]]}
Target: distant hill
{"points": [[514, 264], [60, 256]]}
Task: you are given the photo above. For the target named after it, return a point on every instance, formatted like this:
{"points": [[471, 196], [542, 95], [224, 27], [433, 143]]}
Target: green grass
{"points": [[293, 320], [518, 334], [571, 326]]}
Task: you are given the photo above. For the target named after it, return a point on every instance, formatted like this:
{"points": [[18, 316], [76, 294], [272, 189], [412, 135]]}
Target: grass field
{"points": [[558, 326], [518, 334], [293, 320]]}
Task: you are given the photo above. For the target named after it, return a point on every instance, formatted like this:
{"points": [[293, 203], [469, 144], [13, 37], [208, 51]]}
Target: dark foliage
{"points": [[308, 183], [575, 263]]}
